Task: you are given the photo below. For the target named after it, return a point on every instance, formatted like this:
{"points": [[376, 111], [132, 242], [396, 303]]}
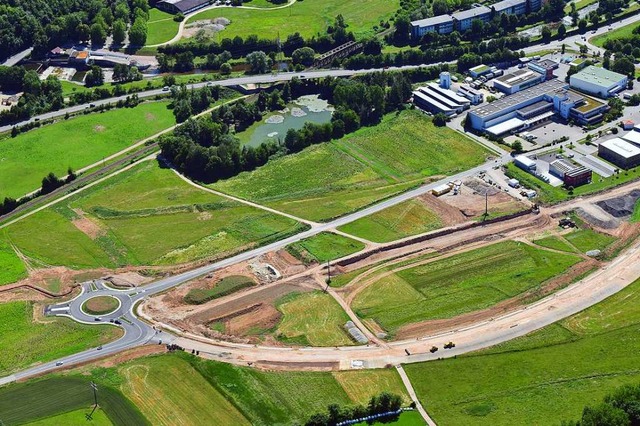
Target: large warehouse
{"points": [[598, 81], [434, 98], [181, 6], [619, 152], [517, 81], [571, 174]]}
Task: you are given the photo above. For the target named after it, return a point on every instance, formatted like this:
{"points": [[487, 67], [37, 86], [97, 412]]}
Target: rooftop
{"points": [[471, 13], [435, 20], [519, 97], [505, 4], [480, 68], [470, 89], [589, 103], [633, 137], [517, 77], [547, 64], [620, 147], [596, 75], [184, 5]]}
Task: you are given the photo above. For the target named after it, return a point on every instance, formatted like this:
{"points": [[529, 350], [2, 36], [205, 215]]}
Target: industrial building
{"points": [[517, 81], [475, 96], [510, 113], [510, 7], [619, 152], [571, 174], [598, 81], [435, 99], [462, 20], [181, 6], [442, 24], [580, 108], [544, 67], [525, 163], [479, 70], [632, 137]]}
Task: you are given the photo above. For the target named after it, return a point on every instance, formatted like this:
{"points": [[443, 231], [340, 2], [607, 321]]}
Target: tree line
{"points": [[378, 404], [206, 149], [619, 408]]}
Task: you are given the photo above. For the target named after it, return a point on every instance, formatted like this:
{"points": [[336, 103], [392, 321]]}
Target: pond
{"points": [[275, 125]]}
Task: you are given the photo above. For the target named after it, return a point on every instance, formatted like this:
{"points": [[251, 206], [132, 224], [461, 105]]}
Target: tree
{"points": [[623, 65], [98, 35], [546, 34], [304, 56], [440, 7], [439, 120], [402, 25], [259, 62], [517, 146], [562, 30], [95, 77], [50, 183], [582, 25], [83, 32], [138, 33], [119, 32], [225, 69]]}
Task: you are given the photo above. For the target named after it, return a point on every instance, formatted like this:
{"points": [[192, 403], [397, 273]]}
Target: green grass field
{"points": [[323, 247], [225, 286], [75, 418], [462, 283], [25, 341], [146, 215], [622, 32], [543, 378], [309, 17], [313, 319], [168, 391], [402, 220], [12, 268], [554, 243], [408, 418], [65, 398], [366, 166], [161, 27], [77, 143], [587, 239]]}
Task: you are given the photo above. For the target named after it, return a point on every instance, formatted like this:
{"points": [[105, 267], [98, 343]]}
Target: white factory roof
{"points": [[471, 13], [523, 159], [433, 102], [597, 75], [621, 147], [449, 94], [633, 137], [505, 126]]}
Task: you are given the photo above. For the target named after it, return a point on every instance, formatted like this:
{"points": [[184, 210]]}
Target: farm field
{"points": [[542, 378], [312, 319], [12, 268], [269, 398], [47, 399], [402, 220], [146, 215], [365, 168], [168, 391], [75, 418], [459, 284], [306, 17], [626, 31], [25, 341], [323, 247], [161, 27], [80, 141], [408, 418]]}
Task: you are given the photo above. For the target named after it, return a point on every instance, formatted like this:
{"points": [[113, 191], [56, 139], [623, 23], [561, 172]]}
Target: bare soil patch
{"points": [[88, 227], [149, 117], [470, 201], [99, 128], [128, 279]]}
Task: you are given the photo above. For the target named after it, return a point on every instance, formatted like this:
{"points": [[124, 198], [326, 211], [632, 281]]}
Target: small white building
{"points": [[525, 163]]}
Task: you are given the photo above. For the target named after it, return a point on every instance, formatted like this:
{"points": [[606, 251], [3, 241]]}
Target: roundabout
{"points": [[101, 305]]}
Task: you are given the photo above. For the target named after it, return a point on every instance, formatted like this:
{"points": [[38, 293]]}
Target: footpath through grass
{"points": [[324, 247], [462, 283], [12, 268], [76, 143], [25, 340], [309, 18], [542, 378], [622, 32], [402, 220], [373, 163], [146, 215]]}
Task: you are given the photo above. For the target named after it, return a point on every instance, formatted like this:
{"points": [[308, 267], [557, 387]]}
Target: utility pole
{"points": [[328, 276], [95, 399], [486, 205]]}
